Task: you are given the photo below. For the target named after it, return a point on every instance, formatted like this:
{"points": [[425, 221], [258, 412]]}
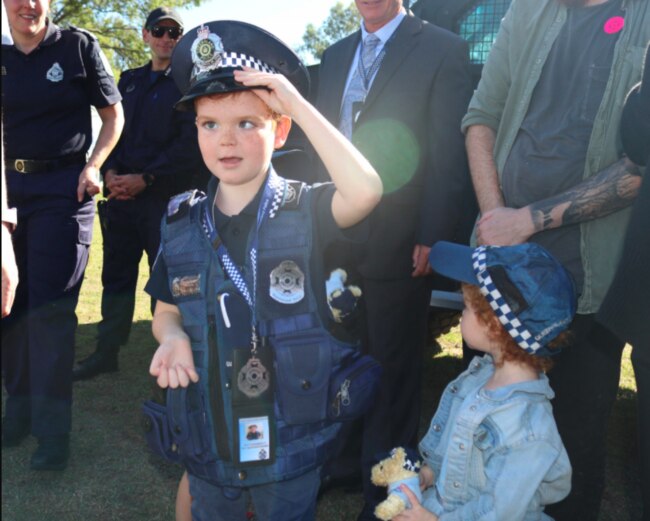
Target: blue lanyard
{"points": [[272, 196]]}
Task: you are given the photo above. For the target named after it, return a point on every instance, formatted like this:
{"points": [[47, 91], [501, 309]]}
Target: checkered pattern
{"points": [[236, 278], [522, 336], [237, 59], [278, 185]]}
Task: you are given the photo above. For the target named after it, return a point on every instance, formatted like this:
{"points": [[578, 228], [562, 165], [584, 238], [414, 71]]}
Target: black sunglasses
{"points": [[158, 31]]}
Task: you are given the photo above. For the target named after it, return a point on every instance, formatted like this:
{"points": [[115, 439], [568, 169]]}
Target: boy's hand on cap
{"points": [[173, 364], [279, 93]]}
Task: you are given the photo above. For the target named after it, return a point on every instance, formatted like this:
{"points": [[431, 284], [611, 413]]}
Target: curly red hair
{"points": [[510, 350]]}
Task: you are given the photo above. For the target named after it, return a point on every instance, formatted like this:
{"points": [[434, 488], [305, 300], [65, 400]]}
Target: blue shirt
{"points": [[47, 94], [496, 454], [157, 139]]}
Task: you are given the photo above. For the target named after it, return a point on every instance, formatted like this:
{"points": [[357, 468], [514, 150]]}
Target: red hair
{"points": [[510, 350]]}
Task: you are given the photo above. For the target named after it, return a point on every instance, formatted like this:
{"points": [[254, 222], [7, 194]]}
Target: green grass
{"points": [[112, 476]]}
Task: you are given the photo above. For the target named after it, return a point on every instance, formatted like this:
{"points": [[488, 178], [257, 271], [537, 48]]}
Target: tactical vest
{"points": [[217, 319]]}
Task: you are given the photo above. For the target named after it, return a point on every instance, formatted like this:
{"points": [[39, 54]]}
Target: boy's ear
{"points": [[282, 128]]}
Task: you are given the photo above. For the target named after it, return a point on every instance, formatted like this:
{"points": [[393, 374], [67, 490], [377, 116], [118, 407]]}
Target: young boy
{"points": [[493, 450], [239, 282]]}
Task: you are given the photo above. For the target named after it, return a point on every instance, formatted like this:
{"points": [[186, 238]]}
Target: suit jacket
{"points": [[409, 129]]}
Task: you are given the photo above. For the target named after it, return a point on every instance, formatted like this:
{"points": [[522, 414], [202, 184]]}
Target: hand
{"points": [[88, 182], [9, 272], [421, 265], [426, 477], [281, 95], [126, 186], [504, 227], [417, 512], [173, 363]]}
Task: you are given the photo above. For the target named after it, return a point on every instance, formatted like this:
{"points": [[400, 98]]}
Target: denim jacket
{"points": [[496, 454]]}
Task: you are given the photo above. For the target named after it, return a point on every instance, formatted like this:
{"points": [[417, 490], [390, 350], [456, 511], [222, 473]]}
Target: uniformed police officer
{"points": [[51, 77], [149, 164]]}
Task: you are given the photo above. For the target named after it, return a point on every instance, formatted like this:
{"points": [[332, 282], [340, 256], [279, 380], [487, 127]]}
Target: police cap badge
{"points": [[205, 58]]}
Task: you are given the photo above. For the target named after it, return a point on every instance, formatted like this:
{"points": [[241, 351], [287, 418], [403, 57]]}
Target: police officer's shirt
{"points": [[156, 139], [46, 94], [233, 231]]}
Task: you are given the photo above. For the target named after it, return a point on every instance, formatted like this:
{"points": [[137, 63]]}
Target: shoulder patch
{"points": [[293, 193], [180, 204]]}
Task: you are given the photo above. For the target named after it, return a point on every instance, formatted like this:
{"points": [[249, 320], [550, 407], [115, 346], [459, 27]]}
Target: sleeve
{"points": [[635, 124], [325, 226], [486, 106], [515, 476], [182, 154], [101, 83], [158, 286], [448, 187]]}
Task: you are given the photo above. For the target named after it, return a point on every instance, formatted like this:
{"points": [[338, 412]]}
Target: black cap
{"points": [[206, 57], [163, 13]]}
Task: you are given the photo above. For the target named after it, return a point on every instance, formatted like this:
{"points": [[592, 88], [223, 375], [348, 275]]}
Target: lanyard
{"points": [[272, 196]]}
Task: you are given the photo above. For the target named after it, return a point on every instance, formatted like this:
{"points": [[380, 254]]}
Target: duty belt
{"points": [[38, 166]]}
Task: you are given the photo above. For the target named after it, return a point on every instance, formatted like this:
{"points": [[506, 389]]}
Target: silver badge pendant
{"points": [[287, 283], [207, 51], [253, 379], [55, 74]]}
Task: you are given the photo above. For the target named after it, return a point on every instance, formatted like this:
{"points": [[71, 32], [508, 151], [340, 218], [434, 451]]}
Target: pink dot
{"points": [[614, 24]]}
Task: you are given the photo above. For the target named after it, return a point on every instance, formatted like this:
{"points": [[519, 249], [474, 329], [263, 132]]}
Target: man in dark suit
{"points": [[398, 88]]}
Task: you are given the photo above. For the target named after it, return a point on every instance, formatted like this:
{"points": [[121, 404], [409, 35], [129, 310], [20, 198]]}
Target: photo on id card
{"points": [[254, 435]]}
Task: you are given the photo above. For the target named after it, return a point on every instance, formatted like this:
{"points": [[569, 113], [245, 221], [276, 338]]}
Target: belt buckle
{"points": [[19, 165]]}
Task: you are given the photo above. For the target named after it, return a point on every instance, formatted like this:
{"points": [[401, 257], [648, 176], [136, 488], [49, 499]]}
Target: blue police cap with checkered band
{"points": [[529, 290], [206, 57]]}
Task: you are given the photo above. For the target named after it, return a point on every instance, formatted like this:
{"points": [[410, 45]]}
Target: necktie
{"points": [[358, 88]]}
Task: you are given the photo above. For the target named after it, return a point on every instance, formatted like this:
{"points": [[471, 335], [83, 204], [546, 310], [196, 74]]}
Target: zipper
{"points": [[214, 376], [342, 397]]}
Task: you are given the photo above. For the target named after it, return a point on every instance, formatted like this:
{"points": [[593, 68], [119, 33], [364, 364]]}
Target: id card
{"points": [[255, 440]]}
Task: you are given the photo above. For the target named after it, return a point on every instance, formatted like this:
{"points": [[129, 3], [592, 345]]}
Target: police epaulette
{"points": [[83, 31], [294, 191], [180, 204]]}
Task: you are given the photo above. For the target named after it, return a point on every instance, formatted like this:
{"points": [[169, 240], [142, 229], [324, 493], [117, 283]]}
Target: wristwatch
{"points": [[148, 179]]}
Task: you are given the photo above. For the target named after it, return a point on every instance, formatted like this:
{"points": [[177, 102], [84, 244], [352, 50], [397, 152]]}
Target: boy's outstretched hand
{"points": [[417, 512], [173, 364]]}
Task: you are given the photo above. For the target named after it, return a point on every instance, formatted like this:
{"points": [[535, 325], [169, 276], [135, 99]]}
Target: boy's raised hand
{"points": [[278, 92], [173, 364]]}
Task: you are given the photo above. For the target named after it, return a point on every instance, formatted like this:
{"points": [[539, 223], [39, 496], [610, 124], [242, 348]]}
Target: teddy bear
{"points": [[400, 467]]}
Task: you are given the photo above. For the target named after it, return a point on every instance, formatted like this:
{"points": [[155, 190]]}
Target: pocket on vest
{"points": [[303, 366]]}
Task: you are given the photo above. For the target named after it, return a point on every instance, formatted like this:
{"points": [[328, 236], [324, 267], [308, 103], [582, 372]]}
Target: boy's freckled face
{"points": [[236, 136]]}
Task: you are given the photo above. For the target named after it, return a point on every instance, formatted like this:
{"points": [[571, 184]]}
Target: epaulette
{"points": [[293, 193], [180, 204], [83, 31]]}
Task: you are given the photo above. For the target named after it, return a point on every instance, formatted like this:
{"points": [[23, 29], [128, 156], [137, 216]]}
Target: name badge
{"points": [[254, 439]]}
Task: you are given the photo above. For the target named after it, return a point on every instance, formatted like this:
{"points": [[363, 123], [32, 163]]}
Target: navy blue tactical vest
{"points": [[217, 319]]}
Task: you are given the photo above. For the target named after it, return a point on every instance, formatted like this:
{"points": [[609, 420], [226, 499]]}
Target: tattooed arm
{"points": [[612, 189]]}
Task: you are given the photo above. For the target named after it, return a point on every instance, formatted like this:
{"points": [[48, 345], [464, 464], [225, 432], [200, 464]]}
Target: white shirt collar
{"points": [[387, 30]]}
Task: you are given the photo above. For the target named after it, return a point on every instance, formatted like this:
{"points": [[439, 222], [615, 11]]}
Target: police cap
{"points": [[163, 13], [206, 57]]}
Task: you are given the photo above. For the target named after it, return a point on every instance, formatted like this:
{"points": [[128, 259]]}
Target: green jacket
{"points": [[501, 100]]}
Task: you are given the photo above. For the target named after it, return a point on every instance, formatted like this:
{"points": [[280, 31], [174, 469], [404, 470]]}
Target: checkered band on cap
{"points": [[517, 330], [237, 59]]}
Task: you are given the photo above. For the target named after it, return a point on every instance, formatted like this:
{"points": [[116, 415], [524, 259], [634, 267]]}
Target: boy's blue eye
{"points": [[210, 125], [246, 124]]}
